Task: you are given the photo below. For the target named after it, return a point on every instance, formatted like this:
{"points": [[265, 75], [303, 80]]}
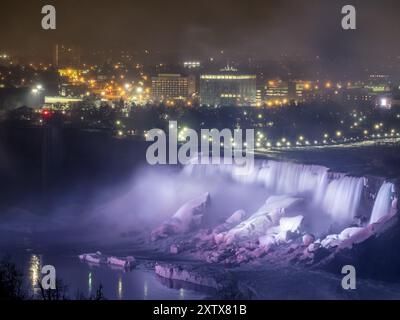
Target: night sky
{"points": [[185, 28]]}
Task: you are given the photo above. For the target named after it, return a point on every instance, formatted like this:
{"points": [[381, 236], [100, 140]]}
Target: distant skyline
{"points": [[260, 29]]}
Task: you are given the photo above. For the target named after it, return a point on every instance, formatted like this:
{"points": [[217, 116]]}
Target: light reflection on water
{"points": [[35, 268], [90, 287], [146, 290], [120, 289], [84, 280]]}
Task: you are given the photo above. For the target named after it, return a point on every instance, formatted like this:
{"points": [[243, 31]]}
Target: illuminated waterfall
{"points": [[335, 194], [342, 198], [383, 201], [291, 178]]}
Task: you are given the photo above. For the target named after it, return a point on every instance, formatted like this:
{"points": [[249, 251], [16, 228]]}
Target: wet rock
{"points": [[267, 241], [219, 279], [291, 249], [236, 218], [174, 249], [187, 274], [188, 217], [249, 229], [242, 258], [331, 241], [347, 237], [320, 254], [292, 224], [308, 239], [219, 238], [259, 253]]}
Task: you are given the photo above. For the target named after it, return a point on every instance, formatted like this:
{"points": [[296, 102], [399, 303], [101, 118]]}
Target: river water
{"points": [[80, 280]]}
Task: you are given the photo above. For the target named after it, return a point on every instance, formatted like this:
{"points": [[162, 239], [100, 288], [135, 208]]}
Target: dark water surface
{"points": [[84, 280]]}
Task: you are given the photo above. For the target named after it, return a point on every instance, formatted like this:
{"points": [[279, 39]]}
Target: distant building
{"points": [[52, 101], [358, 94], [192, 85], [228, 88], [381, 88], [192, 64], [259, 97], [5, 60], [298, 89], [66, 56], [384, 102], [388, 101], [321, 95], [276, 89], [277, 92], [170, 87], [378, 78]]}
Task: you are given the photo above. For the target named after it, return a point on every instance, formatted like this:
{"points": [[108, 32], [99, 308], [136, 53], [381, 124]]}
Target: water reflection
{"points": [[35, 267], [90, 284], [120, 292], [146, 290], [82, 280], [182, 294], [184, 287]]}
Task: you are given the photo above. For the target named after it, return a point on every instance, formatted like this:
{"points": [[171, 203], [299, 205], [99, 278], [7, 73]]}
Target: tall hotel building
{"points": [[170, 86], [228, 88]]}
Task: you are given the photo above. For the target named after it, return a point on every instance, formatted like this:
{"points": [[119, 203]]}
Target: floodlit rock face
{"points": [[188, 274], [188, 217], [251, 228], [292, 224], [335, 240], [373, 251], [236, 218], [215, 278], [308, 239], [267, 216], [287, 229]]}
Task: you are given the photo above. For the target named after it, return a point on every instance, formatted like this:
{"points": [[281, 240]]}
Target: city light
{"points": [[139, 90]]}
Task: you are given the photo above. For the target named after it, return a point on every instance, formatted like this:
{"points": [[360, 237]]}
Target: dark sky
{"points": [[260, 28]]}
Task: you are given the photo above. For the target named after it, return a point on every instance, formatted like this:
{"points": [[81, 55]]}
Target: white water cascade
{"points": [[291, 178], [342, 198], [382, 206], [335, 194]]}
